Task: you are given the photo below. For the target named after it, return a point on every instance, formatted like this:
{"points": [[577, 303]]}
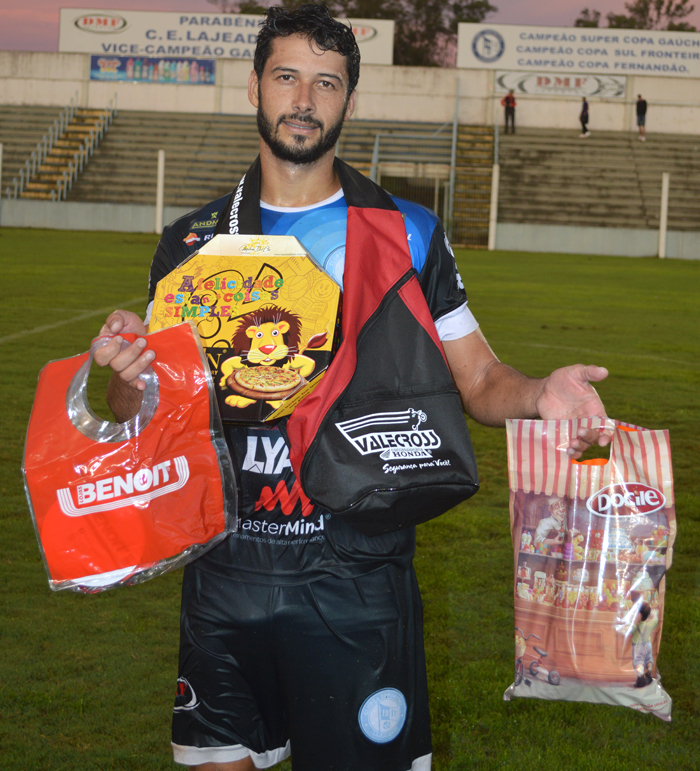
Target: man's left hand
{"points": [[568, 394]]}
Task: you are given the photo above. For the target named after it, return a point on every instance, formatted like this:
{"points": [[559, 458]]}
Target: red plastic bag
{"points": [[592, 541], [118, 503]]}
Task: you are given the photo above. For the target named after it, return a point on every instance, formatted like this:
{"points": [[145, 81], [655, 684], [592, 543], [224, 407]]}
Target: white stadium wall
{"points": [[385, 92]]}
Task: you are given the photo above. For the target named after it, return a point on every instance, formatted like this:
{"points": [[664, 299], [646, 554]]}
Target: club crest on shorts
{"points": [[185, 697], [382, 715], [394, 435]]}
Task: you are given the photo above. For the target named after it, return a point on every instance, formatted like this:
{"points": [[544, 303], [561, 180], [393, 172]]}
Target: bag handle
{"points": [[88, 423], [610, 427]]}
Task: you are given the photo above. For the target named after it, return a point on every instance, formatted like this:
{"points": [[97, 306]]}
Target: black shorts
{"points": [[333, 670]]}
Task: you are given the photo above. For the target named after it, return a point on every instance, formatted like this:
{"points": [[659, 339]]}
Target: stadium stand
{"points": [[21, 127], [207, 154], [547, 176], [607, 179]]}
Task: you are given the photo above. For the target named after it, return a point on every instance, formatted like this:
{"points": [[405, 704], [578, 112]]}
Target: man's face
{"points": [[558, 509], [302, 100]]}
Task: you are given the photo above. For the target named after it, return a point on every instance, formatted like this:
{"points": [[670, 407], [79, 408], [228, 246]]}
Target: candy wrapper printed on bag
{"points": [[592, 542], [118, 503]]}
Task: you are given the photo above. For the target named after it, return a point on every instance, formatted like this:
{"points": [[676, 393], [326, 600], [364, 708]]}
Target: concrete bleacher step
{"points": [[37, 195]]}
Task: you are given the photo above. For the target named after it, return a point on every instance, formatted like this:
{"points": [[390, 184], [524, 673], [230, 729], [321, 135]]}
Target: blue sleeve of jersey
{"points": [[420, 226]]}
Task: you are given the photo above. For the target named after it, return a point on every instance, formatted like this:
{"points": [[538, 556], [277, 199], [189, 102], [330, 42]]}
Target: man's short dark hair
{"points": [[316, 23]]}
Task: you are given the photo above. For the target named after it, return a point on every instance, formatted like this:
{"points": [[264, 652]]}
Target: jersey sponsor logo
{"points": [[275, 455], [284, 498], [399, 443], [626, 499], [488, 46], [383, 715], [299, 527], [191, 238], [233, 217], [203, 224], [185, 697], [118, 491]]}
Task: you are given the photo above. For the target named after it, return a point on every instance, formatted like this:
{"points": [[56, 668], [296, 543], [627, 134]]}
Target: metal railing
{"points": [[400, 147], [43, 148], [436, 150], [47, 143], [83, 154], [415, 155]]}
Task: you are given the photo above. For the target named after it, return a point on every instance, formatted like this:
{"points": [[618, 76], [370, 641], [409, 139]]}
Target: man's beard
{"points": [[302, 150]]}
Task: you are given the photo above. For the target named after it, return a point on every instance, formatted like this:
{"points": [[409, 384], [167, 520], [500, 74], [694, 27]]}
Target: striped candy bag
{"points": [[592, 541]]}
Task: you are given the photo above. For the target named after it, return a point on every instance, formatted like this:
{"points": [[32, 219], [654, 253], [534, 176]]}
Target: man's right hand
{"points": [[128, 364], [125, 390]]}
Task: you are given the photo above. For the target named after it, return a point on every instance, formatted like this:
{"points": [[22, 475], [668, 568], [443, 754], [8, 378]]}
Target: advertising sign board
{"points": [[586, 50], [156, 34], [560, 84], [141, 69]]}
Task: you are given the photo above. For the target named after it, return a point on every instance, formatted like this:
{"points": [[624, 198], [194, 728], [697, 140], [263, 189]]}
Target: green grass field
{"points": [[86, 682]]}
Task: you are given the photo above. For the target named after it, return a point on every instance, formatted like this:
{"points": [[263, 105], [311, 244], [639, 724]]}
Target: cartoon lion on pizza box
{"points": [[268, 364]]}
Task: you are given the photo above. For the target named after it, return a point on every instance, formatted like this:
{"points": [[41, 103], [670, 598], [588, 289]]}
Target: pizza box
{"points": [[267, 315]]}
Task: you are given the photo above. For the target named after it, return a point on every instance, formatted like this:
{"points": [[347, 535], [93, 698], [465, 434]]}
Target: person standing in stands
{"points": [[508, 102], [584, 118], [642, 117]]}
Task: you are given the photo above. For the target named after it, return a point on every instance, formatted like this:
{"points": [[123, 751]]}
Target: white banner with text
{"points": [[591, 50], [199, 35]]}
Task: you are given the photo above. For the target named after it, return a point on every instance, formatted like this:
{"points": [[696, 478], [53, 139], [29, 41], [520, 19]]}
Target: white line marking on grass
{"points": [[605, 353], [80, 317]]}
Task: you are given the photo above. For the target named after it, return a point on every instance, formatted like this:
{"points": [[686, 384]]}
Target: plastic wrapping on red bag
{"points": [[592, 542], [118, 503]]}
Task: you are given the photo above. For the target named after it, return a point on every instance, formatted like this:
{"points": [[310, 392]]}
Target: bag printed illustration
{"points": [[118, 503], [592, 542]]}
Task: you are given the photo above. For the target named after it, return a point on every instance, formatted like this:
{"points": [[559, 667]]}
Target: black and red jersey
{"points": [[282, 536]]}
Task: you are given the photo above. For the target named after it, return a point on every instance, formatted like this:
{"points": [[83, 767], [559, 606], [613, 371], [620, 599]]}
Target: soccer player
{"points": [[312, 644]]}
